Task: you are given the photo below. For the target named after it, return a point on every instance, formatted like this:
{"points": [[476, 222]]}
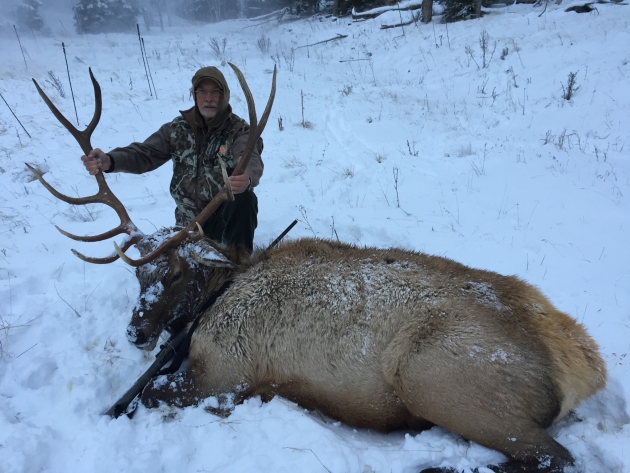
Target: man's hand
{"points": [[96, 161], [239, 183]]}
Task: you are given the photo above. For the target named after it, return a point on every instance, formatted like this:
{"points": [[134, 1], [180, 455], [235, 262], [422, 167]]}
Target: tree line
{"points": [[101, 16]]}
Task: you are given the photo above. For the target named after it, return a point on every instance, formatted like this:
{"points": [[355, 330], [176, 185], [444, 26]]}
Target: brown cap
{"points": [[211, 72]]}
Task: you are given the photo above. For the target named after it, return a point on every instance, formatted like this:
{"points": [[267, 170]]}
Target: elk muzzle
{"points": [[142, 333]]}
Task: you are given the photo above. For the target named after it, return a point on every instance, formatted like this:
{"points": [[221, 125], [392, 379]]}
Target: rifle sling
{"points": [[176, 348], [182, 351]]}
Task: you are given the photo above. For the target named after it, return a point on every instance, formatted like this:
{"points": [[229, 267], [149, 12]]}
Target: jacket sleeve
{"points": [[255, 167], [138, 158]]}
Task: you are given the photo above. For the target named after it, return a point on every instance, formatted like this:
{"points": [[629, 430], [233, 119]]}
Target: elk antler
{"points": [[104, 194], [255, 130]]}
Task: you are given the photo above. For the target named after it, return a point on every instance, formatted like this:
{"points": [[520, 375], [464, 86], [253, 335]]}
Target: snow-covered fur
{"points": [[389, 339]]}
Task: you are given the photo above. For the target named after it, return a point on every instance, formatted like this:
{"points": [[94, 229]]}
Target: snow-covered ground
{"points": [[410, 142]]}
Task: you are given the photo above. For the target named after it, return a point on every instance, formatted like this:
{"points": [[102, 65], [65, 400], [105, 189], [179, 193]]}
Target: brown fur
{"points": [[391, 339]]}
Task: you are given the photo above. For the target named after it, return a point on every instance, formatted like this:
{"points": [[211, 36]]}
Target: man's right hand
{"points": [[96, 161]]}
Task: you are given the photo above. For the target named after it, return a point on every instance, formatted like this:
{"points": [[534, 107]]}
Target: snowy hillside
{"points": [[404, 139]]}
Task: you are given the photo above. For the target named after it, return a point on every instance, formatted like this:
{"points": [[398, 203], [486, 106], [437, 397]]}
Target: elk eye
{"points": [[176, 277]]}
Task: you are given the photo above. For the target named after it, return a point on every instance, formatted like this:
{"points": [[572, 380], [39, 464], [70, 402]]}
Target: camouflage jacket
{"points": [[195, 153]]}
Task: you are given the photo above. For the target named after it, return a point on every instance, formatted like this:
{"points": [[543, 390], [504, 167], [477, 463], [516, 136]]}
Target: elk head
{"points": [[179, 270], [175, 285]]}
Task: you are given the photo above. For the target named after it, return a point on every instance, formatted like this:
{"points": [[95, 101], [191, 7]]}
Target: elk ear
{"points": [[206, 253], [215, 260]]}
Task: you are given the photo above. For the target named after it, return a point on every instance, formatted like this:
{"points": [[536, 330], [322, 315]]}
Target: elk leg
{"points": [[184, 389], [488, 410], [179, 389]]}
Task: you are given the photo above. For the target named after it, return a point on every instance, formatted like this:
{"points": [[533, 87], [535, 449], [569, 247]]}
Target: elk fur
{"points": [[387, 339]]}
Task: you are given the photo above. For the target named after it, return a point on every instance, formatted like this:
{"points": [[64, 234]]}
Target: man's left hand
{"points": [[239, 183]]}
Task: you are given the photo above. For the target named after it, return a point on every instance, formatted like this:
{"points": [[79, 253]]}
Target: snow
{"points": [[410, 144]]}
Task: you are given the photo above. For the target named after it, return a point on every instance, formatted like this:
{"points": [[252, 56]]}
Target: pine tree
{"points": [[105, 16], [28, 14], [209, 10], [457, 10]]}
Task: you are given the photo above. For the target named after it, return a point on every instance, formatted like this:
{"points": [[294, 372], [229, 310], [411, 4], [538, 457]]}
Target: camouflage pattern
{"points": [[197, 175], [195, 146]]}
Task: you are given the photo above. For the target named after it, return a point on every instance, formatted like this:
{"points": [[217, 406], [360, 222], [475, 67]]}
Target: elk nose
{"points": [[135, 336]]}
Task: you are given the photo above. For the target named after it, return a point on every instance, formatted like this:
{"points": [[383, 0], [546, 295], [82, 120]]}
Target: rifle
{"points": [[168, 351]]}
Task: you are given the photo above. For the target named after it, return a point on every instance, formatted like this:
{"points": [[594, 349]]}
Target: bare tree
{"points": [[427, 11], [477, 4]]}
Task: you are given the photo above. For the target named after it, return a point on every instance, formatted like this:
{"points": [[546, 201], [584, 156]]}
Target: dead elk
{"points": [[378, 338], [391, 339]]}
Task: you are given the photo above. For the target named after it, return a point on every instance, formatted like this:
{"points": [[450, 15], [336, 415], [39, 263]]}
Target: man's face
{"points": [[207, 97]]}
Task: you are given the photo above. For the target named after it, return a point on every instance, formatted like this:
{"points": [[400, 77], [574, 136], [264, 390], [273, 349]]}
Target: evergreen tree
{"points": [[208, 10], [457, 10], [105, 16], [28, 14]]}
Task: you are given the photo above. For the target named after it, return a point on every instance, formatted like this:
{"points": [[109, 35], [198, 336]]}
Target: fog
{"points": [[57, 16]]}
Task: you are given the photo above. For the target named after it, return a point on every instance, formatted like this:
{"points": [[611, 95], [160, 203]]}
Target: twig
{"points": [[401, 22], [447, 36], [149, 67], [434, 34], [305, 216], [258, 24], [10, 295], [78, 315], [143, 60], [273, 15], [352, 60], [544, 10], [334, 229], [395, 172], [71, 91], [20, 43], [339, 36], [26, 351], [88, 297], [15, 116], [309, 450], [385, 27]]}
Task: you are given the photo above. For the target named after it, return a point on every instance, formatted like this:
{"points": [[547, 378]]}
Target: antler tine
{"points": [[92, 238], [251, 105], [255, 130], [174, 240], [107, 259], [98, 107], [83, 137], [104, 194]]}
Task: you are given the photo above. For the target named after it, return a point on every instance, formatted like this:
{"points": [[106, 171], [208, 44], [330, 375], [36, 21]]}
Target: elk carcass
{"points": [[378, 338]]}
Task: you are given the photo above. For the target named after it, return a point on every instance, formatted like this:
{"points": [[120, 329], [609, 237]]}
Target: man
{"points": [[195, 141]]}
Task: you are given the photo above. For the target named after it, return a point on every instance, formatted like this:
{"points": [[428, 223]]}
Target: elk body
{"points": [[384, 339], [377, 338]]}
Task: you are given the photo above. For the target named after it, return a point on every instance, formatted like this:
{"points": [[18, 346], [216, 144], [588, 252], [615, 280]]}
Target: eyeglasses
{"points": [[202, 93]]}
